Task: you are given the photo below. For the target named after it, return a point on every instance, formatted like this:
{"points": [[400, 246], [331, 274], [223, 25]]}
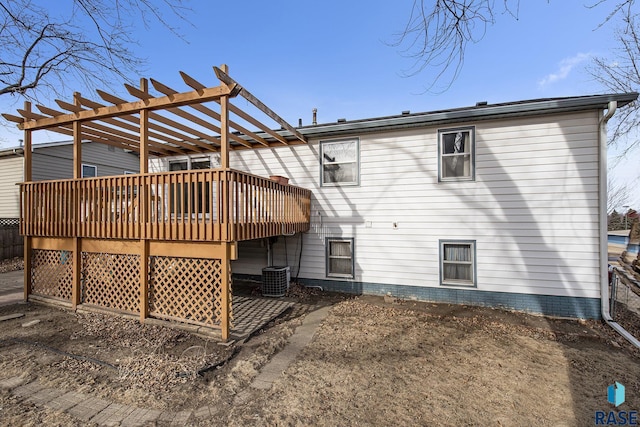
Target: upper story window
{"points": [[89, 171], [456, 154], [340, 162]]}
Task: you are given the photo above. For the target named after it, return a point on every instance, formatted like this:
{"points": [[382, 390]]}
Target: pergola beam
{"points": [[126, 122], [161, 119], [223, 77], [214, 115], [194, 132], [165, 102]]}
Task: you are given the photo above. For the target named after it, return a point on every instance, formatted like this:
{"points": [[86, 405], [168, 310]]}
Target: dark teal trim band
{"points": [[548, 305]]}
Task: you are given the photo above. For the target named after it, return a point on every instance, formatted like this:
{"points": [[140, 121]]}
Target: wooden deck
{"points": [[154, 244]]}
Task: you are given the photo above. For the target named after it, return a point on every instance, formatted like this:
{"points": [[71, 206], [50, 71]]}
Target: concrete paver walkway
{"points": [[11, 287], [102, 412]]}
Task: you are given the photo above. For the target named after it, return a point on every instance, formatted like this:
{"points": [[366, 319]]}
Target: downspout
{"points": [[604, 253]]}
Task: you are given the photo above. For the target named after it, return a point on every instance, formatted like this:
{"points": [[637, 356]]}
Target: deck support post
{"points": [[144, 198], [27, 238], [225, 298], [76, 285], [144, 280]]}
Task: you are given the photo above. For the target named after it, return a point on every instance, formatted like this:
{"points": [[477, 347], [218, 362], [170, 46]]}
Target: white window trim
{"points": [[356, 162], [212, 158], [89, 166], [472, 154], [328, 257], [474, 264]]}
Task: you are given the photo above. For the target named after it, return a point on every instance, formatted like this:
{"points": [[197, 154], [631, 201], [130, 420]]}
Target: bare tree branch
{"points": [[621, 73], [437, 34], [92, 44]]}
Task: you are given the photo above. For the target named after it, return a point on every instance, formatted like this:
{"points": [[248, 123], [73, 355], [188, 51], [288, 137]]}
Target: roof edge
{"points": [[480, 112]]}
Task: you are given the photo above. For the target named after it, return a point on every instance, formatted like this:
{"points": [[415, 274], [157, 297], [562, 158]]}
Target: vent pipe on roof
{"points": [[406, 112], [481, 103], [315, 116], [299, 122]]}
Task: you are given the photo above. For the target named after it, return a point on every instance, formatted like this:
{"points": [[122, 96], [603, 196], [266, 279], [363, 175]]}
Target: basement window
{"points": [[339, 258], [340, 162], [458, 262], [456, 154]]}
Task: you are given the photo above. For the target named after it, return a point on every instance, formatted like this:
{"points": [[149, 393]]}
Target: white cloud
{"points": [[564, 68]]}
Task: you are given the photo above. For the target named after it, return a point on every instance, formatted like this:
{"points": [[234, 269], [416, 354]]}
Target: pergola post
{"points": [[224, 164], [27, 239], [143, 204], [76, 288]]}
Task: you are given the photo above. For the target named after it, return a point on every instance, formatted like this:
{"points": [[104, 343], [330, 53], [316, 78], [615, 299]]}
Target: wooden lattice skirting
{"points": [[184, 289]]}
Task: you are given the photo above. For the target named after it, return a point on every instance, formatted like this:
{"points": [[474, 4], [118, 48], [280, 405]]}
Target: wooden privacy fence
{"points": [[11, 242], [197, 205]]}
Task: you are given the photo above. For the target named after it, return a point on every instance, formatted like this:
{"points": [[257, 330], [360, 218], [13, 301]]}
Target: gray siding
{"points": [[56, 162], [10, 174]]}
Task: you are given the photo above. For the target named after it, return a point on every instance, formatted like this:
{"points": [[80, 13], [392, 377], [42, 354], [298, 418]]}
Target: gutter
{"points": [[604, 253]]}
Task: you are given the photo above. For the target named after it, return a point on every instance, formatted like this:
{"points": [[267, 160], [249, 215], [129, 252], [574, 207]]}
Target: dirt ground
{"points": [[371, 362]]}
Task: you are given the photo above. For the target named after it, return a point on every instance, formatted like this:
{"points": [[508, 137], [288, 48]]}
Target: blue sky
{"points": [[336, 56]]}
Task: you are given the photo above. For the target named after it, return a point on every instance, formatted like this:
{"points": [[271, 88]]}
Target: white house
{"points": [[500, 205]]}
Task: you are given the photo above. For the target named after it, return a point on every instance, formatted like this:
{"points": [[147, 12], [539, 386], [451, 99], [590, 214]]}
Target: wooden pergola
{"points": [[158, 230]]}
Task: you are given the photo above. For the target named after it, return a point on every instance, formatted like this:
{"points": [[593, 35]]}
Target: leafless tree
{"points": [[617, 195], [437, 34], [620, 73], [44, 44]]}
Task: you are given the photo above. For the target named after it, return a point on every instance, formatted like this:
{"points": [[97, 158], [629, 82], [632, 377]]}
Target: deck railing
{"points": [[196, 205]]}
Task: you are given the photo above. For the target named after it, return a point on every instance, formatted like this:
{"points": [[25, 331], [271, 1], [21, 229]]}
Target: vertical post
{"points": [[224, 162], [224, 126], [27, 178], [76, 284], [225, 295], [143, 206]]}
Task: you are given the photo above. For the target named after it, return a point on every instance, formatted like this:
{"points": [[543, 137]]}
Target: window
{"points": [[340, 258], [456, 153], [194, 197], [89, 171], [339, 162], [457, 262]]}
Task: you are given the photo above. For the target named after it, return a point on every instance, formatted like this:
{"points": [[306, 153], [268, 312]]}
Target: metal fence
{"points": [[11, 242]]}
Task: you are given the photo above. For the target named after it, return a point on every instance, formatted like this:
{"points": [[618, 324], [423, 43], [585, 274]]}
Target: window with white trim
{"points": [[89, 171], [456, 154], [340, 258], [458, 262], [340, 162], [193, 197]]}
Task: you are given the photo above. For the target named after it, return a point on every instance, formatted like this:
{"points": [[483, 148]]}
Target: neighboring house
{"points": [[495, 205], [55, 161]]}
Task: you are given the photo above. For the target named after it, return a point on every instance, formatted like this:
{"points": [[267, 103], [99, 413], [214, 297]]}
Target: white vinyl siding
{"points": [[533, 207], [11, 173]]}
